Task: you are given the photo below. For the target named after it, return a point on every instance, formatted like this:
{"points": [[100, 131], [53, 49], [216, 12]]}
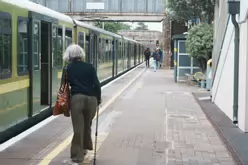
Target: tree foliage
{"points": [[141, 26], [113, 26], [184, 10], [199, 43]]}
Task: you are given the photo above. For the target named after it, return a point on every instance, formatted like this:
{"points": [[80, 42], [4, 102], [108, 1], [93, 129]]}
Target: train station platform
{"points": [[145, 119]]}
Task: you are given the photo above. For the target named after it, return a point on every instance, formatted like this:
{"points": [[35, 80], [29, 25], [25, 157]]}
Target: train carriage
{"points": [[32, 41], [101, 50]]}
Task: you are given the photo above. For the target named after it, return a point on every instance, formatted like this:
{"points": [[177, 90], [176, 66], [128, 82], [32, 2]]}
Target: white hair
{"points": [[73, 52]]}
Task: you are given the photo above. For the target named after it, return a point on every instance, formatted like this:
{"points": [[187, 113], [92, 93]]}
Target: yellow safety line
{"points": [[90, 156], [60, 148], [67, 141]]}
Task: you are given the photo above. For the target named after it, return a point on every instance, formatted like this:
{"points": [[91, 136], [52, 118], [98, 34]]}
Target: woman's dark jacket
{"points": [[83, 79]]}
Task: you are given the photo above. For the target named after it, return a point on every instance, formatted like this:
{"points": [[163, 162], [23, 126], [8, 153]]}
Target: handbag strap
{"points": [[66, 74], [65, 82]]}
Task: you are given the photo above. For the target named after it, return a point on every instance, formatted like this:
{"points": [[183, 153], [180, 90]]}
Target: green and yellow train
{"points": [[32, 41]]}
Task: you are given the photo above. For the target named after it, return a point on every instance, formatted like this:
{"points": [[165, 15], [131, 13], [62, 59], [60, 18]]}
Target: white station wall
{"points": [[222, 91], [243, 78]]}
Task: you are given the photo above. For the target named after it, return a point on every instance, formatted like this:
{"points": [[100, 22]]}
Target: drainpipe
{"points": [[236, 71], [234, 9]]}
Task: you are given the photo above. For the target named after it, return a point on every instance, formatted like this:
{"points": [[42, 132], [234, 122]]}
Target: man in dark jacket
{"points": [[147, 54]]}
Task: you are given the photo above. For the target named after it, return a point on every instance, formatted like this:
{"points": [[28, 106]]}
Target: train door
{"points": [[129, 55], [126, 55], [41, 66], [121, 64], [123, 55], [135, 54], [117, 56], [113, 58], [89, 48], [95, 50], [92, 47], [138, 48]]}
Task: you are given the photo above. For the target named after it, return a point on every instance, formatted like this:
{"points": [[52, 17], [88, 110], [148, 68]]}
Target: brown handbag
{"points": [[62, 105]]}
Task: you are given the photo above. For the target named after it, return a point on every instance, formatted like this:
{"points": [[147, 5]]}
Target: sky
{"points": [[151, 25]]}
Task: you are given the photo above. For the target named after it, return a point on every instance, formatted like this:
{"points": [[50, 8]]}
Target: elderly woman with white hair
{"points": [[85, 97]]}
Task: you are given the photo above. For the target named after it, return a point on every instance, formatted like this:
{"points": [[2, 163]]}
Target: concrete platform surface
{"points": [[146, 119], [40, 146], [158, 122]]}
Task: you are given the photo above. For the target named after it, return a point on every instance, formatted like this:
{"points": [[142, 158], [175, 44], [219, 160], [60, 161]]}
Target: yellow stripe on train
{"points": [[13, 86], [60, 75]]}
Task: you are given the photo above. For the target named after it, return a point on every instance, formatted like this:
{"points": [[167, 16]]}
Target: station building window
{"points": [[5, 45], [22, 46]]}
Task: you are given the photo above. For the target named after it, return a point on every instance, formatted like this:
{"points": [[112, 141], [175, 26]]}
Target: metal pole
{"points": [[96, 134]]}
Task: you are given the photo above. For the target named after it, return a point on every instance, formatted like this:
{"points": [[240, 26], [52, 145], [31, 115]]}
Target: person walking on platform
{"points": [[85, 97], [156, 58], [147, 54], [161, 53]]}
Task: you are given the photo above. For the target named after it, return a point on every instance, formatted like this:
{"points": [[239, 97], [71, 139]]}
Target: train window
{"points": [[68, 37], [108, 51], [87, 48], [119, 52], [54, 55], [22, 46], [59, 60], [81, 39], [57, 47], [36, 40], [5, 46], [102, 50], [100, 60]]}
